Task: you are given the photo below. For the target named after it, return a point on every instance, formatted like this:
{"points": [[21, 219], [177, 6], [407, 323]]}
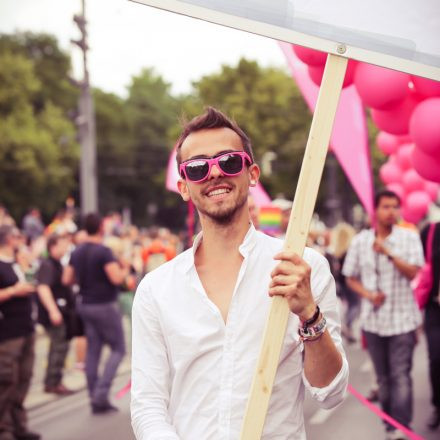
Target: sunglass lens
{"points": [[231, 163], [197, 169]]}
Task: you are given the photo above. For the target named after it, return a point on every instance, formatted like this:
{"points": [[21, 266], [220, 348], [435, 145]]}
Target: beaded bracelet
{"points": [[313, 332]]}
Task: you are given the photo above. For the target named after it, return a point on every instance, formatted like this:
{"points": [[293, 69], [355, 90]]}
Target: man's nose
{"points": [[215, 172]]}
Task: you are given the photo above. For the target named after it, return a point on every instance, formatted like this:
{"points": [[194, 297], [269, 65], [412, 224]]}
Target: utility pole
{"points": [[86, 127]]}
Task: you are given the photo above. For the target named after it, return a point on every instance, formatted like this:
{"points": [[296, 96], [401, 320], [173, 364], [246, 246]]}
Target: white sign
{"points": [[399, 34]]}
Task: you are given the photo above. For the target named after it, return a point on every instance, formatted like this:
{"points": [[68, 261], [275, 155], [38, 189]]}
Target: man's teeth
{"points": [[216, 192]]}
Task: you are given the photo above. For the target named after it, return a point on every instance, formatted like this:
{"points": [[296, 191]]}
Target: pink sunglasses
{"points": [[230, 164]]}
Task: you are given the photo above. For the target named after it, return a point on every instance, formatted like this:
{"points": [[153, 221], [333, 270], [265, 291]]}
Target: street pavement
{"points": [[69, 418]]}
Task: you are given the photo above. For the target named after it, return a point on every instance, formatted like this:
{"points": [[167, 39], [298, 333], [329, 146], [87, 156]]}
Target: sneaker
{"points": [[434, 420], [28, 435], [373, 395], [103, 409], [59, 389], [395, 435]]}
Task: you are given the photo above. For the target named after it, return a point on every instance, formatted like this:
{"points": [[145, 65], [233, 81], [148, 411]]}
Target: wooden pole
{"points": [[296, 236]]}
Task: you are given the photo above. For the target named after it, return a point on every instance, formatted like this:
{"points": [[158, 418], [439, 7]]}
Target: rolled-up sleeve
{"points": [[150, 372], [324, 291]]}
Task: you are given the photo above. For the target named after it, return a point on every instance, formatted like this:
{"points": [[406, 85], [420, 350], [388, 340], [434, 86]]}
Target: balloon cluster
{"points": [[406, 109]]}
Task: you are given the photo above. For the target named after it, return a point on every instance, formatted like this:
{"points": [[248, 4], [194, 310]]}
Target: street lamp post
{"points": [[86, 127]]}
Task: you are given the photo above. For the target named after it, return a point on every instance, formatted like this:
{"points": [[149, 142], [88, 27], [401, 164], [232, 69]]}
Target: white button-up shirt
{"points": [[399, 313], [191, 372]]}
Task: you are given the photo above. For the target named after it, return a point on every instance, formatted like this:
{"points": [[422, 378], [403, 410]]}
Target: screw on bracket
{"points": [[341, 48]]}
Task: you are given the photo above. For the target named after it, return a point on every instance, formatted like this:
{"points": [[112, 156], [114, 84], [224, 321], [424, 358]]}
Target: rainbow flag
{"points": [[270, 219]]}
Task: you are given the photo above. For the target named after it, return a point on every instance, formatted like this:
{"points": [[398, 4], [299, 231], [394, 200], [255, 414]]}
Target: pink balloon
{"points": [[418, 202], [316, 73], [310, 56], [412, 181], [427, 166], [395, 121], [398, 189], [431, 188], [380, 88], [387, 143], [411, 216], [390, 173], [405, 139], [425, 126], [426, 87], [403, 156]]}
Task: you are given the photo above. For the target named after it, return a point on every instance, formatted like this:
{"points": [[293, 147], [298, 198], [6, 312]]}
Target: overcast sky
{"points": [[125, 36]]}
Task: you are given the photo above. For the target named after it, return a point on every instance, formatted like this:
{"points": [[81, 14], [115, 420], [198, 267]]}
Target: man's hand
{"points": [[23, 289], [379, 246], [56, 318], [291, 279], [377, 298]]}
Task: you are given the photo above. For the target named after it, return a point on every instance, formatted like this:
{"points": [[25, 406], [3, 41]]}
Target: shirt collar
{"points": [[4, 259], [245, 248], [392, 237]]}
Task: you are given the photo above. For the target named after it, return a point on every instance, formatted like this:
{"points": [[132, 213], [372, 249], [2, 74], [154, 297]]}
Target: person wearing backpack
{"points": [[432, 322]]}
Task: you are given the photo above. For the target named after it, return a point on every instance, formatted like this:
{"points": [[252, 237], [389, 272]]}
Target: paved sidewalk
{"points": [[73, 378]]}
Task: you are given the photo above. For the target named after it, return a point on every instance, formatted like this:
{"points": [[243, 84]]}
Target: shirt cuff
{"points": [[334, 393]]}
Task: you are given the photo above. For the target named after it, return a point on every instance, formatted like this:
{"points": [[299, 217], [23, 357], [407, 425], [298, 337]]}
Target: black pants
{"points": [[16, 364], [432, 330]]}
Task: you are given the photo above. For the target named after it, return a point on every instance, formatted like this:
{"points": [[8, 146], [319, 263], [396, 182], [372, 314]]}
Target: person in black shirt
{"points": [[55, 311], [16, 340], [98, 275]]}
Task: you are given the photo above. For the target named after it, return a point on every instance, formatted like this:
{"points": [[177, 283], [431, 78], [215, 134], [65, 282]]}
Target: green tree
{"points": [[266, 103], [38, 153], [133, 150]]}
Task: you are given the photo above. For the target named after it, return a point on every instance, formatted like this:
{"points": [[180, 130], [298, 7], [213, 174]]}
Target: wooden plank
{"points": [[296, 236]]}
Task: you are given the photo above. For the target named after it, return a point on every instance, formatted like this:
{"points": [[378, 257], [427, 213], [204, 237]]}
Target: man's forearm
{"points": [[407, 270], [47, 299], [358, 288], [322, 361]]}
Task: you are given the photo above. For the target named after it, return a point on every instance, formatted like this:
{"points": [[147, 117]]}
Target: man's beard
{"points": [[223, 217]]}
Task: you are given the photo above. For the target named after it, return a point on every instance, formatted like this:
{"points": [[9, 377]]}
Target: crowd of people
{"points": [[68, 277]]}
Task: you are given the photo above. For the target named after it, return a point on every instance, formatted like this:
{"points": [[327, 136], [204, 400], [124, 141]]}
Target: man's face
{"points": [[388, 211], [60, 248], [219, 197]]}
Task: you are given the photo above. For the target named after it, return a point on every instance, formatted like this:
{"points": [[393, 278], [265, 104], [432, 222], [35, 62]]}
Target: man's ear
{"points": [[183, 189], [254, 174]]}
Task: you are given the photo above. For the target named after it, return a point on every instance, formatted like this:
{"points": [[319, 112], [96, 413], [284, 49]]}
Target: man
{"points": [[16, 340], [432, 324], [98, 274], [56, 308], [380, 264], [198, 320], [33, 226]]}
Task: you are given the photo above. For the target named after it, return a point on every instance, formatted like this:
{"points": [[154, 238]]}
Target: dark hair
{"points": [[385, 193], [92, 223], [212, 118], [5, 232], [52, 241]]}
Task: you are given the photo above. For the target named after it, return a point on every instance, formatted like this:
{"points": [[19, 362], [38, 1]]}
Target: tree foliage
{"points": [[39, 157], [38, 153], [266, 103]]}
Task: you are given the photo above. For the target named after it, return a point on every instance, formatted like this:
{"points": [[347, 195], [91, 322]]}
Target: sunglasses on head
{"points": [[230, 164]]}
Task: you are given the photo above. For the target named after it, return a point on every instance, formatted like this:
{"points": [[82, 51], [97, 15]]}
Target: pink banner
{"points": [[349, 139], [258, 193]]}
